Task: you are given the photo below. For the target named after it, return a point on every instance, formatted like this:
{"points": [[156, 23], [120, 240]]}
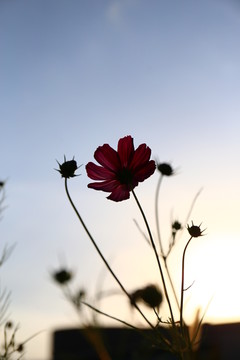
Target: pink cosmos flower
{"points": [[121, 170]]}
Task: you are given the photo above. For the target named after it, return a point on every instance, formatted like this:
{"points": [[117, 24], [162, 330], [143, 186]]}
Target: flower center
{"points": [[125, 176]]}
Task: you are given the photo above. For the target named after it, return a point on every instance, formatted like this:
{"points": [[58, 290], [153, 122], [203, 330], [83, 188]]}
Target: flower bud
{"points": [[20, 348], [195, 230], [8, 325], [150, 295], [165, 169], [62, 276], [176, 225], [68, 168]]}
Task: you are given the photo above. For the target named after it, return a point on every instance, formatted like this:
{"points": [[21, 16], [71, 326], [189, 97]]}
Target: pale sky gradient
{"points": [[75, 74]]}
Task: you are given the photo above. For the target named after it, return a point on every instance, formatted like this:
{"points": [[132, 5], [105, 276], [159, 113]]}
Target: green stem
{"points": [[182, 286], [101, 255], [156, 255]]}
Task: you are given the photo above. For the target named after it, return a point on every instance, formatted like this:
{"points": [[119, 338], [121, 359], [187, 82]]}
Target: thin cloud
{"points": [[116, 10]]}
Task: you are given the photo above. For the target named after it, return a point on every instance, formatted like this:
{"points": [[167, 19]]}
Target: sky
{"points": [[77, 74]]}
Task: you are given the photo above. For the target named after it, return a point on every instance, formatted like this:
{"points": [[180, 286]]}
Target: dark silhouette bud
{"points": [[176, 225], [20, 348], [165, 169], [62, 276], [195, 230], [8, 325], [68, 168], [150, 295]]}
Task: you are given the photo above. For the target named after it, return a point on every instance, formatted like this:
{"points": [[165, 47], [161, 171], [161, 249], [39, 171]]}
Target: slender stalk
{"points": [[109, 316], [156, 255], [171, 282], [68, 295], [159, 237], [182, 286], [191, 207], [101, 255], [157, 214]]}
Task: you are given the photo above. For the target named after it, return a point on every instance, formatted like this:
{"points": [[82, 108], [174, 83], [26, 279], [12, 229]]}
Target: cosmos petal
{"points": [[119, 194], [122, 170], [96, 172], [107, 157], [107, 185], [146, 171], [125, 150], [141, 156]]}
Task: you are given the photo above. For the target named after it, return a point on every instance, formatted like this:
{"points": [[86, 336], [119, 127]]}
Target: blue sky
{"points": [[77, 74]]}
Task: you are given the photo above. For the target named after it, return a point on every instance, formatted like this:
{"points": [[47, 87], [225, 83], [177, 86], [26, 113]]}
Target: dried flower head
{"points": [[165, 169], [150, 295], [194, 230], [67, 168], [62, 276]]}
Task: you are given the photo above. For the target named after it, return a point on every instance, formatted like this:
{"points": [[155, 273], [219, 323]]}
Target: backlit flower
{"points": [[121, 170]]}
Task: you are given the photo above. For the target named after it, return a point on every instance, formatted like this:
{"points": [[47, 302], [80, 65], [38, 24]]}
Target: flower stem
{"points": [[171, 282], [69, 296], [101, 255], [156, 255], [182, 286], [109, 316], [157, 214], [160, 240]]}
